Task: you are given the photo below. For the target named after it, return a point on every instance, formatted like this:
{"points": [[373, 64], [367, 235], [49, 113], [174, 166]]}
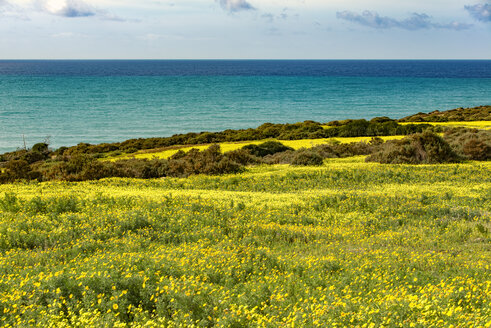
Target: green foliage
{"points": [[243, 157], [470, 143], [10, 202], [40, 147], [477, 150], [81, 167], [424, 148], [17, 170], [306, 157], [266, 148], [80, 163], [304, 130], [376, 127], [210, 161], [480, 113]]}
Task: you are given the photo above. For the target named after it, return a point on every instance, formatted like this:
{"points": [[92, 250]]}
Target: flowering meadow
{"points": [[167, 152], [231, 146], [347, 244]]}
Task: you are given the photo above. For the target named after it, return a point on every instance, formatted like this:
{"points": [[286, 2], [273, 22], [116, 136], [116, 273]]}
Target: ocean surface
{"points": [[70, 102]]}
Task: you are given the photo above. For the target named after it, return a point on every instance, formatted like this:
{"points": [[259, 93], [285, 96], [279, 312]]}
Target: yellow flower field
{"points": [[347, 244]]}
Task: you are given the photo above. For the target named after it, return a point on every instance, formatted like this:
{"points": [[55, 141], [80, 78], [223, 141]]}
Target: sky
{"points": [[245, 29]]}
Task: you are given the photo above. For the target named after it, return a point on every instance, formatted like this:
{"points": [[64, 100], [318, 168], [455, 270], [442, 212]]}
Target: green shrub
{"points": [[477, 150], [382, 119], [266, 148], [306, 157], [10, 203], [33, 157], [480, 113], [284, 157], [421, 148], [16, 170], [470, 143], [242, 157], [60, 151], [40, 147]]}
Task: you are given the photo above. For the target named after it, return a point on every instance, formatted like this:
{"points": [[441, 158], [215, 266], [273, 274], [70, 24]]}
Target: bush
{"points": [[333, 150], [33, 157], [242, 157], [470, 143], [266, 148], [382, 119], [477, 150], [210, 161], [40, 147], [17, 169], [421, 148], [60, 151], [285, 157], [480, 113], [306, 157]]}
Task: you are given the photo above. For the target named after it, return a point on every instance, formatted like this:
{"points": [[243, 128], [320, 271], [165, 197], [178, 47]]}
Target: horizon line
{"points": [[242, 59]]}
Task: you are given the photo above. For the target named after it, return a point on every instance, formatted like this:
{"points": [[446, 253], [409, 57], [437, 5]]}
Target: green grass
{"points": [[350, 244]]}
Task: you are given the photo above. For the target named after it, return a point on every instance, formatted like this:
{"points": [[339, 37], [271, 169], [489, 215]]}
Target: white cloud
{"points": [[69, 35], [414, 22], [68, 8], [5, 5], [480, 12], [74, 9], [10, 10], [235, 5]]}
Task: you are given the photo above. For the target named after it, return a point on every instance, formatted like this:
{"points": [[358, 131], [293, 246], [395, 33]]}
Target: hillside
{"points": [[345, 244], [480, 113]]}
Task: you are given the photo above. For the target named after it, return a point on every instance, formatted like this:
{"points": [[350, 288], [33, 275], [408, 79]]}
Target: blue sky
{"points": [[230, 29]]}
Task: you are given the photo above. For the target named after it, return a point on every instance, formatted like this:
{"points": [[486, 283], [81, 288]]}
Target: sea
{"points": [[66, 102]]}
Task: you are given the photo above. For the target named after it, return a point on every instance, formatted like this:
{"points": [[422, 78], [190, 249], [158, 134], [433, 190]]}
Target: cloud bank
{"points": [[68, 8], [11, 10], [235, 5], [4, 5], [414, 22], [74, 9], [481, 12]]}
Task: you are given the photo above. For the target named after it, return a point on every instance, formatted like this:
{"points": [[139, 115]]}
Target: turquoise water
{"points": [[84, 108]]}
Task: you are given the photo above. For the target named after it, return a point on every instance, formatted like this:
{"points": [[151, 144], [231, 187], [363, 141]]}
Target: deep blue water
{"points": [[107, 101]]}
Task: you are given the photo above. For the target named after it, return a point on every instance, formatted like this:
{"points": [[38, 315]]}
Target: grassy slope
{"points": [[295, 144], [229, 146], [479, 113], [486, 125], [349, 243]]}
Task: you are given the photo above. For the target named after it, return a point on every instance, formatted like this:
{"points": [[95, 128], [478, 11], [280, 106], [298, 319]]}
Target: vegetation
{"points": [[297, 131], [266, 148], [480, 113], [307, 157], [421, 148], [482, 125], [457, 145], [470, 143], [78, 162], [231, 238], [346, 244], [231, 146], [81, 167]]}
